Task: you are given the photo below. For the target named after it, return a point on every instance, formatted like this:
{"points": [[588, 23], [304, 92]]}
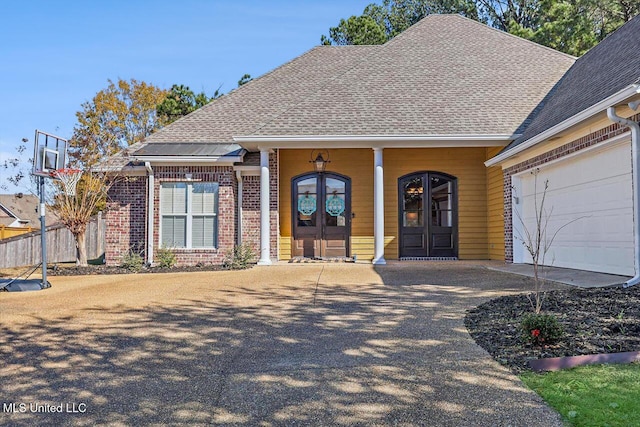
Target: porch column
{"points": [[150, 212], [378, 208], [265, 229], [239, 226]]}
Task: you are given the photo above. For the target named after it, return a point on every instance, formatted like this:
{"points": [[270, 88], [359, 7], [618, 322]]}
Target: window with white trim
{"points": [[189, 214]]}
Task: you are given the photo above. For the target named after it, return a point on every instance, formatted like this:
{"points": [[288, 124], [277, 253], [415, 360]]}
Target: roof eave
{"points": [[255, 143], [191, 160], [599, 107], [9, 211]]}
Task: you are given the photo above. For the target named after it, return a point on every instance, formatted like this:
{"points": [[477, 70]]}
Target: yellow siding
{"points": [[6, 232], [495, 208], [464, 163], [357, 164]]}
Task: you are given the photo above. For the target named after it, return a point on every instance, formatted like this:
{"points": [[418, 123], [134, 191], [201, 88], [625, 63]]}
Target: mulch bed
{"points": [[605, 320], [103, 269]]}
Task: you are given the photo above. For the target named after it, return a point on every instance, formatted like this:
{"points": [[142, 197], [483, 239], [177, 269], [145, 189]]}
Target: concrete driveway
{"points": [[321, 344]]}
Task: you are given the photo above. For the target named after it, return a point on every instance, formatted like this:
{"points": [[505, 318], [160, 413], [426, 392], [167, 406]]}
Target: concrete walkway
{"points": [[319, 344], [568, 276]]}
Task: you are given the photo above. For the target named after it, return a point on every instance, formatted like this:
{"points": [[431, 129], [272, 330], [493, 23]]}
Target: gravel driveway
{"points": [[320, 344]]}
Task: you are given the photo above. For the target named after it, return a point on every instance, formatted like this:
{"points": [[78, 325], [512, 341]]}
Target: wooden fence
{"points": [[26, 250], [6, 232]]}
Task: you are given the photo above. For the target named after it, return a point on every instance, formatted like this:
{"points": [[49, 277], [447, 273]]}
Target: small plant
{"points": [[239, 257], [541, 329], [132, 261], [165, 257]]}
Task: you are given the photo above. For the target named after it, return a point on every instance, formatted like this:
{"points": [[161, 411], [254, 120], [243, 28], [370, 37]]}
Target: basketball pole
{"points": [[43, 232]]}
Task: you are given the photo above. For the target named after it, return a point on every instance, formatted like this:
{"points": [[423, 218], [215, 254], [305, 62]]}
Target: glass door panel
{"points": [[441, 202], [413, 195], [307, 202], [427, 215], [441, 229], [335, 203], [412, 221], [321, 215]]}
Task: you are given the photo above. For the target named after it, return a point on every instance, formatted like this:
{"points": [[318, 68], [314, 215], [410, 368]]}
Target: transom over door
{"points": [[428, 215], [321, 205]]}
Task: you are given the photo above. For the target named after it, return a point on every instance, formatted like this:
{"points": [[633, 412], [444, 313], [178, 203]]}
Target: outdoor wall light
{"points": [[319, 162]]}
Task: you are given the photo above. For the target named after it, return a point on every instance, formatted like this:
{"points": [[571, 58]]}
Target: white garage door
{"points": [[594, 191]]}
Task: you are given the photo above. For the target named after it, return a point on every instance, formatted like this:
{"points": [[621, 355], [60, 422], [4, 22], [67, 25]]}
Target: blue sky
{"points": [[55, 55]]}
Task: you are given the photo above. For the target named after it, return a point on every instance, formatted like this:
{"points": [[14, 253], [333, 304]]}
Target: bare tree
{"points": [[537, 240], [76, 210]]}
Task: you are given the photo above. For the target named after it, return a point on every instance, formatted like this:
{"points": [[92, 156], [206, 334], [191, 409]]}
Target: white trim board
{"points": [[624, 138], [254, 143]]}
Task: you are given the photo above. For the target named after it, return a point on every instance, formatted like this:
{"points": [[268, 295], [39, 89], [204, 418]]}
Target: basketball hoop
{"points": [[69, 179]]}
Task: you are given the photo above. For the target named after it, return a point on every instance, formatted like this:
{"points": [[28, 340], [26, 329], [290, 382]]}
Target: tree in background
{"points": [[574, 27], [120, 115], [12, 168], [570, 26], [357, 30], [246, 78], [503, 14], [381, 22], [180, 101]]}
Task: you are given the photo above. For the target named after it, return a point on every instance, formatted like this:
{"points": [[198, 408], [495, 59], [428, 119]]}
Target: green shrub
{"points": [[240, 257], [541, 329], [165, 257], [132, 261]]}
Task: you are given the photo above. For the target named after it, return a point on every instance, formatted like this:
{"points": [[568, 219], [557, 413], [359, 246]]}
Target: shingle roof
{"points": [[23, 207], [446, 75], [606, 69], [261, 100]]}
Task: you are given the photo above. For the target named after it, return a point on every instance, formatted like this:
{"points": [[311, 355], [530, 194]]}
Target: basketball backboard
{"points": [[50, 153]]}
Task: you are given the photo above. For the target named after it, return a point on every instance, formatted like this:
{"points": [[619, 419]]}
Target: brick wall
{"points": [[251, 208], [126, 214], [224, 176], [557, 153], [125, 218], [251, 211]]}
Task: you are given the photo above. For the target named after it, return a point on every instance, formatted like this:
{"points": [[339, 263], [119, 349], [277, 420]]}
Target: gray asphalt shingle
{"points": [[446, 75]]}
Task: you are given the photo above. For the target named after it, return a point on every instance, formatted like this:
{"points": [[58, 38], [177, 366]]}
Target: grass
{"points": [[598, 395]]}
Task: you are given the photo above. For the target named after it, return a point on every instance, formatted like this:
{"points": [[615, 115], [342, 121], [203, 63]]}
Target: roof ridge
{"points": [[316, 91], [481, 24]]}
